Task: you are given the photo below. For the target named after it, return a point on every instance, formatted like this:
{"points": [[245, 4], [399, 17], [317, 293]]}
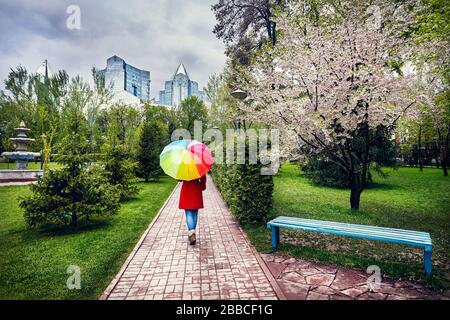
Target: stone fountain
{"points": [[21, 156]]}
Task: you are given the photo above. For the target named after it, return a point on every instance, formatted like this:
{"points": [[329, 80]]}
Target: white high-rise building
{"points": [[179, 88], [129, 84]]}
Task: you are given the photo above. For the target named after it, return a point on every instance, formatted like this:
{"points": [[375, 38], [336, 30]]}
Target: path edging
{"points": [[273, 282], [131, 255]]}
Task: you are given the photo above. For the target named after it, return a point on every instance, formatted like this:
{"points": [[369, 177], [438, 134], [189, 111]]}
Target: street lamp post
{"points": [[43, 136], [239, 95]]}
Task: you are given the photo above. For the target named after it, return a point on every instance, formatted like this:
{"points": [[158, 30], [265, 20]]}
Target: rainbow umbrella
{"points": [[186, 159]]}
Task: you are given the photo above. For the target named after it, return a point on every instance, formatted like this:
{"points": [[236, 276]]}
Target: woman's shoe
{"points": [[192, 238]]}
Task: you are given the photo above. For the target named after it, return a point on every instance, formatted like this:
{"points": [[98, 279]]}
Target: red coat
{"points": [[191, 194]]}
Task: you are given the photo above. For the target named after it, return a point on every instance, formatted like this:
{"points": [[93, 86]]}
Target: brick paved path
{"points": [[222, 265]]}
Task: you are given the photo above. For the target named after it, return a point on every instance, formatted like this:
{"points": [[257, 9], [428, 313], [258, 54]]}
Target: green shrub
{"points": [[325, 173], [64, 197], [322, 171], [77, 190], [247, 193], [154, 136], [120, 169]]}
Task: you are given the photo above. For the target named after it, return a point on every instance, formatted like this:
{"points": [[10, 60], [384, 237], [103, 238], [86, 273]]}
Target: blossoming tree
{"points": [[331, 84]]}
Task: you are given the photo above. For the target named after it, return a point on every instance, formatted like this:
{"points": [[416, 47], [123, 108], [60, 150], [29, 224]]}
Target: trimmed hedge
{"points": [[247, 193]]}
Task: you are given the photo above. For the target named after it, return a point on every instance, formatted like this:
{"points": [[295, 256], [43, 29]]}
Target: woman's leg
{"points": [[191, 220], [195, 216]]}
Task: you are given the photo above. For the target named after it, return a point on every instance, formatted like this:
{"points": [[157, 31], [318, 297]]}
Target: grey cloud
{"points": [[153, 35]]}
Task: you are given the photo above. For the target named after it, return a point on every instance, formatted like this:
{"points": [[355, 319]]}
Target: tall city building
{"points": [[45, 70], [129, 84], [179, 88]]}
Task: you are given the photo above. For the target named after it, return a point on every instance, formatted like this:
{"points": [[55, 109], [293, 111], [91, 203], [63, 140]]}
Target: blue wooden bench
{"points": [[409, 237]]}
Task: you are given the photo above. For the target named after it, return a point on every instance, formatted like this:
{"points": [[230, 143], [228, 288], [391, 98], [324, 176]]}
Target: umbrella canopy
{"points": [[186, 159]]}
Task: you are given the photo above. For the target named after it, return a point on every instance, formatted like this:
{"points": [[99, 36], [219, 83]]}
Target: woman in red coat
{"points": [[191, 199]]}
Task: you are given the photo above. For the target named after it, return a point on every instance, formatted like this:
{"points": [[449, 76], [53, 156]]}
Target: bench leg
{"points": [[275, 237], [427, 260]]}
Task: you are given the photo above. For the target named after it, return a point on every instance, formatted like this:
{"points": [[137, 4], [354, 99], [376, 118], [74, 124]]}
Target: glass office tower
{"points": [[179, 88], [129, 83]]}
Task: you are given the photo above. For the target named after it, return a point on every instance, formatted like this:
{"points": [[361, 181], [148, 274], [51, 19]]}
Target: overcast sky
{"points": [[154, 35]]}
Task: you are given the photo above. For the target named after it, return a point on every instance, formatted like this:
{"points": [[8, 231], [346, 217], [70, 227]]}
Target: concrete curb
{"points": [[273, 282], [116, 279]]}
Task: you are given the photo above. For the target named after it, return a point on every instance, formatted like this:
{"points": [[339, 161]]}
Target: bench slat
{"points": [[425, 238], [363, 234], [360, 231], [356, 235], [359, 226], [356, 226], [422, 236]]}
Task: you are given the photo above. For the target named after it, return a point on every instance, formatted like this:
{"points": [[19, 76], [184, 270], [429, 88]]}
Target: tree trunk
{"points": [[419, 147], [355, 197], [356, 188], [274, 33], [444, 162], [74, 219], [443, 153]]}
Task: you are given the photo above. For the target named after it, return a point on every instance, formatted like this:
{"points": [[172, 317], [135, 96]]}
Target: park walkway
{"points": [[222, 265]]}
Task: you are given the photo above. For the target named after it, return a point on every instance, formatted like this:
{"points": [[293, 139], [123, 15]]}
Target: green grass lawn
{"points": [[33, 262], [31, 165], [407, 199]]}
